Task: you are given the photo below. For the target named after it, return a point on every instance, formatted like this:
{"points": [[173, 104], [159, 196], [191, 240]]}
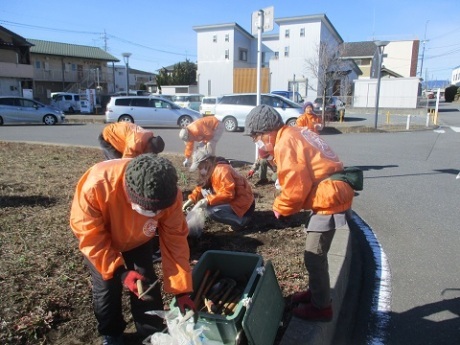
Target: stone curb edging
{"points": [[301, 332]]}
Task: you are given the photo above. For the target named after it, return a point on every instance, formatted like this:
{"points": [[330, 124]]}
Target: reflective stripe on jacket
{"points": [[127, 138], [229, 187], [105, 225], [308, 120], [201, 130], [304, 161]]}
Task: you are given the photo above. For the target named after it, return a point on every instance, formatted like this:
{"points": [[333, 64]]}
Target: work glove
{"points": [[250, 174], [130, 278], [203, 203], [184, 301], [185, 162], [187, 204]]}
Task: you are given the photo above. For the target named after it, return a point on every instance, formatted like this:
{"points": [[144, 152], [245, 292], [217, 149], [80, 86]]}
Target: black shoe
{"points": [[156, 257], [111, 340], [262, 181]]}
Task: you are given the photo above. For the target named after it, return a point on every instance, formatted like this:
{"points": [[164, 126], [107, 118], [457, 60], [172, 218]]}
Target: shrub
{"points": [[449, 94]]}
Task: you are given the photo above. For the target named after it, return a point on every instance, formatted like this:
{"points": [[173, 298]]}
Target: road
{"points": [[410, 201]]}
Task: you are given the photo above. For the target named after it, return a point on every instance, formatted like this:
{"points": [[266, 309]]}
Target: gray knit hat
{"points": [[262, 119], [199, 155], [151, 182]]}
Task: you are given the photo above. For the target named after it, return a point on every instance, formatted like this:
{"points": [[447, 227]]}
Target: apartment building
{"points": [[67, 67], [16, 72], [227, 57]]}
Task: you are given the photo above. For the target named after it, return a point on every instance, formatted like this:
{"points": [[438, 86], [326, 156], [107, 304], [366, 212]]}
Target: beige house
{"points": [[399, 60]]}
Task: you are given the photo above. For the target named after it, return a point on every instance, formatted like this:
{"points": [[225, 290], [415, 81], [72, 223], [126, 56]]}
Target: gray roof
{"points": [[359, 49], [15, 38], [69, 50]]}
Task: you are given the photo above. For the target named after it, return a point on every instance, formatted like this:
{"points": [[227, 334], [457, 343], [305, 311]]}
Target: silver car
{"points": [[149, 111], [24, 110], [233, 109]]}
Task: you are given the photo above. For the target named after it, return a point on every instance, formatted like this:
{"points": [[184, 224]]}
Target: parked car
{"points": [[288, 94], [65, 101], [232, 109], [24, 110], [333, 107], [208, 105], [191, 101], [149, 111]]}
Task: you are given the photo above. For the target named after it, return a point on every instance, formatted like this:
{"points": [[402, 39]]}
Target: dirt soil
{"points": [[45, 287]]}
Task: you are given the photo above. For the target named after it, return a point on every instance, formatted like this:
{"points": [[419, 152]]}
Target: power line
{"points": [[104, 35]]}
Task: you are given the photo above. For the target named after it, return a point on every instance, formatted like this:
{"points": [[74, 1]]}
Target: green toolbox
{"points": [[238, 297]]}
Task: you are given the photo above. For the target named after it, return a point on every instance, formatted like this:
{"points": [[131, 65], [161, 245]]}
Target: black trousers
{"points": [[108, 149], [107, 296]]}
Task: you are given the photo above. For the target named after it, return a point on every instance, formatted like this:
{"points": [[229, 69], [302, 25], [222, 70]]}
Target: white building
{"points": [[455, 78], [224, 49]]}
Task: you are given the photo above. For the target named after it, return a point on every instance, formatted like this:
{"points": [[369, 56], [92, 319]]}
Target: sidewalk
{"points": [[354, 122]]}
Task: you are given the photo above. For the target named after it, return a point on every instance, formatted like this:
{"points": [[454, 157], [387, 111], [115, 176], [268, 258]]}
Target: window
{"points": [[227, 54], [122, 101], [243, 54], [140, 102], [286, 51], [227, 37], [302, 32], [277, 55], [286, 33], [214, 38], [37, 64]]}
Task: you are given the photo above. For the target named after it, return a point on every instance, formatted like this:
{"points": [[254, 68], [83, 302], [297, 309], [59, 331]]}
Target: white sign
{"points": [[268, 18]]}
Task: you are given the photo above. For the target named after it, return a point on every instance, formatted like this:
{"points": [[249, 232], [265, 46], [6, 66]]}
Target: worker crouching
{"points": [[222, 191]]}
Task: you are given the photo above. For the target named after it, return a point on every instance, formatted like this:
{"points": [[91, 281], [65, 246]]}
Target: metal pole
{"points": [[259, 52], [126, 58], [380, 46]]}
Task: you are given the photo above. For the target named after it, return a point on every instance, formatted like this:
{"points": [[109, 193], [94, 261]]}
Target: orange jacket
{"points": [[305, 161], [228, 187], [200, 130], [309, 120], [102, 219], [127, 138]]}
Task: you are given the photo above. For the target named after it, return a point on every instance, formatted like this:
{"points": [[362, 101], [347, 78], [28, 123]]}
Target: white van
{"points": [[208, 105], [188, 100], [65, 101]]}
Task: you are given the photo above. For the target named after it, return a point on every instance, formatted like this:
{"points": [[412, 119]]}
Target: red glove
{"points": [[250, 173], [130, 278], [184, 300]]}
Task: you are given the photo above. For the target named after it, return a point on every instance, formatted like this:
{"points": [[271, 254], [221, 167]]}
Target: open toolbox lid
{"points": [[263, 316]]}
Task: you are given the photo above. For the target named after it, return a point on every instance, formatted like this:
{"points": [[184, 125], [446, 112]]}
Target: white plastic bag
{"points": [[181, 330], [196, 219]]}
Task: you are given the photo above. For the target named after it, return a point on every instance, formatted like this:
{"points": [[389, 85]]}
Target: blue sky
{"points": [[159, 33]]}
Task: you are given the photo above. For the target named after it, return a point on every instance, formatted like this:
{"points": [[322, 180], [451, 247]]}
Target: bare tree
{"points": [[326, 67]]}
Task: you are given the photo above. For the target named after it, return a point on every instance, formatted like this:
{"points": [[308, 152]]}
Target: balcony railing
{"points": [[15, 70]]}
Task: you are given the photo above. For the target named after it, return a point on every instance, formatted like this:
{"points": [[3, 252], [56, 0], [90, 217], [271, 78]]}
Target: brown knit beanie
{"points": [[151, 182]]}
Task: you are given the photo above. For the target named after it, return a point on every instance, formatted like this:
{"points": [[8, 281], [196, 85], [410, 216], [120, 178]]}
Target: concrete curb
{"points": [[301, 332]]}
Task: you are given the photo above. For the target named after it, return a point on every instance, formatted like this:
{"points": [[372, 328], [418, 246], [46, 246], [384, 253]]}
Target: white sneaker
{"points": [[458, 176]]}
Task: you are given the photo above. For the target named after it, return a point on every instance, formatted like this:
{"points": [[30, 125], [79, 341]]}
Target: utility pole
{"points": [[423, 49]]}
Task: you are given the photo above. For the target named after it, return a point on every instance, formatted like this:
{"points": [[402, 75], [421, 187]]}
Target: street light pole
{"points": [[380, 46], [126, 60]]}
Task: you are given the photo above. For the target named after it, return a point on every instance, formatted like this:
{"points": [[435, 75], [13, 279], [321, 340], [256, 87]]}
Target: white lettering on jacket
{"points": [[150, 228], [316, 141]]}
